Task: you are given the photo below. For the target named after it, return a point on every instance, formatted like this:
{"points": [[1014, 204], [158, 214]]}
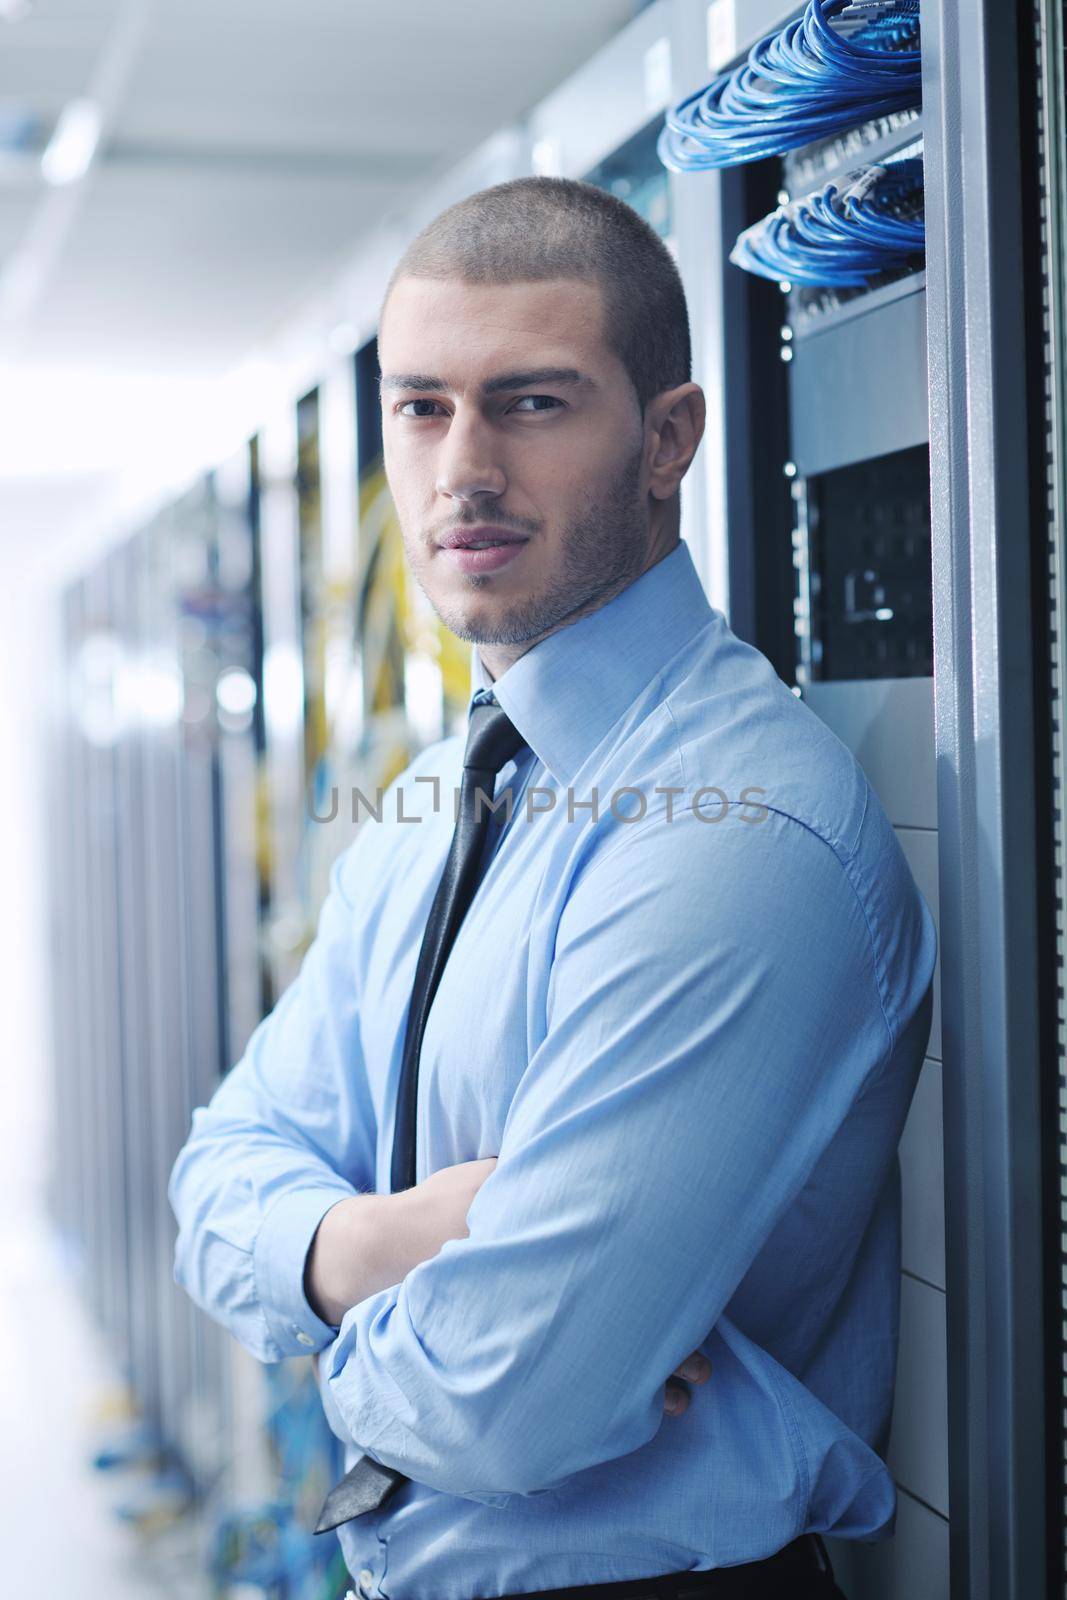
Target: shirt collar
{"points": [[567, 692]]}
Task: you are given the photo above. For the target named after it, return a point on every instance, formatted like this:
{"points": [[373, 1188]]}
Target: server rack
{"points": [[65, 1175], [283, 692], [143, 1002], [127, 585], [241, 868], [207, 625], [166, 880]]}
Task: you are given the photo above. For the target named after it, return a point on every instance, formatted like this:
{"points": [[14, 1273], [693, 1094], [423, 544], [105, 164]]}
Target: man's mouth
{"points": [[486, 538], [478, 550]]}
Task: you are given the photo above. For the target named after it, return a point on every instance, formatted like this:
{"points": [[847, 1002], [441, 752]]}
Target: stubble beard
{"points": [[604, 548]]}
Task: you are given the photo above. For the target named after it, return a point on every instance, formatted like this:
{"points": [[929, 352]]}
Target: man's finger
{"points": [[675, 1399], [694, 1369]]}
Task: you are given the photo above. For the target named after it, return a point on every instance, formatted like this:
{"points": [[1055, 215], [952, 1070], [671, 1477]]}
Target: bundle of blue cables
{"points": [[843, 234], [806, 82]]}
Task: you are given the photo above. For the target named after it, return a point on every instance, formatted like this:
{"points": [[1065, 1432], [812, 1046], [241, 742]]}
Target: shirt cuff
{"points": [[278, 1259]]}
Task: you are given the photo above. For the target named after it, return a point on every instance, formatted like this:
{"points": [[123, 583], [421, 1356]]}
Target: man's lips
{"points": [[463, 538], [484, 549]]}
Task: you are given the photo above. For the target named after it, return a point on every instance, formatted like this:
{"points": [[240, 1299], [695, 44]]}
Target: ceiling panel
{"points": [[188, 275], [363, 75]]}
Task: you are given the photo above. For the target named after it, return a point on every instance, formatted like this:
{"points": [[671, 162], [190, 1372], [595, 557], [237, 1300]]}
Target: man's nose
{"points": [[467, 466]]}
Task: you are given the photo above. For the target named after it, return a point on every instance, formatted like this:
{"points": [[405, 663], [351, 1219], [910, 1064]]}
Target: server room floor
{"points": [[59, 1532], [60, 1535]]}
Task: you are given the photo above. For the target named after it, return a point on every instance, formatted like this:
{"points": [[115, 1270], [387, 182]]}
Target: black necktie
{"points": [[492, 741]]}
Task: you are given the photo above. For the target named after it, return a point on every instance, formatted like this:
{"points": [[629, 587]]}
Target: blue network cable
{"points": [[843, 234], [806, 82]]}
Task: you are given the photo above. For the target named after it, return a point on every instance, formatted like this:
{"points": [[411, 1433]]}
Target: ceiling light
{"points": [[73, 144]]}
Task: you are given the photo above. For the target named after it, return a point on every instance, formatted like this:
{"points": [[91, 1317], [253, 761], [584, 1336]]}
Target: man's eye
{"points": [[403, 409], [552, 401]]}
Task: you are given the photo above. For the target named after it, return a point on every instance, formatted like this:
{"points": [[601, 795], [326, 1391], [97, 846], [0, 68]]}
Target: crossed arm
{"points": [[364, 1244], [690, 1077]]}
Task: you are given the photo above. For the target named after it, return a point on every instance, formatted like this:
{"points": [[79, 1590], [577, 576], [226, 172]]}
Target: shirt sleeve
{"points": [[289, 1132], [713, 1012]]}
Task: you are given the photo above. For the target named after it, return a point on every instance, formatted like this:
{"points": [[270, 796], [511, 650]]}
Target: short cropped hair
{"points": [[531, 229]]}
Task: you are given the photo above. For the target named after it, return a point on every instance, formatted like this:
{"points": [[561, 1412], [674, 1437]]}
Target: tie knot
{"points": [[492, 738]]}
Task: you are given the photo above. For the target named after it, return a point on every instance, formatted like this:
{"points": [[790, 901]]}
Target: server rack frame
{"points": [[986, 740]]}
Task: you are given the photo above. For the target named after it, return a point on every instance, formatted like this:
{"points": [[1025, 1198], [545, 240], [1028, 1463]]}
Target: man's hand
{"points": [[697, 1369]]}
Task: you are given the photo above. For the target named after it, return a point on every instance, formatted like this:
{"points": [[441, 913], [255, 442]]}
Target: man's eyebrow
{"points": [[535, 375], [422, 384]]}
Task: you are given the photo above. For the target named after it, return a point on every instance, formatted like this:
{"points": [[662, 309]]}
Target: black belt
{"points": [[801, 1571]]}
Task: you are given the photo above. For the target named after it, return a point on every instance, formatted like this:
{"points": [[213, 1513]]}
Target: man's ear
{"points": [[677, 418]]}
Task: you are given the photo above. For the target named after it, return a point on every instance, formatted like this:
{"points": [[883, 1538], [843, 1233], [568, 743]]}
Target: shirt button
{"points": [[304, 1338]]}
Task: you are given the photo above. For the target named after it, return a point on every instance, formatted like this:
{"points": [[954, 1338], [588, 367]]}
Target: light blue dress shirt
{"points": [[689, 1028]]}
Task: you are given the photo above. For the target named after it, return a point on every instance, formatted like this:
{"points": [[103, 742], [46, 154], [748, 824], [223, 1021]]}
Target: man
{"points": [[670, 1053]]}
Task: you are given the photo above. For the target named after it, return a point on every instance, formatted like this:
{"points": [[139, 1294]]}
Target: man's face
{"points": [[504, 413]]}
